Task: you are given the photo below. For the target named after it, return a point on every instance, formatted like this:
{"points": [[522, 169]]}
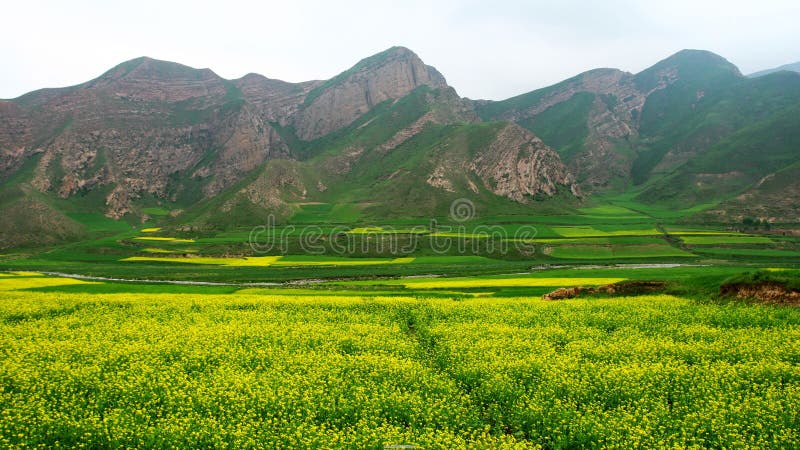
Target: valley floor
{"points": [[176, 337], [430, 363]]}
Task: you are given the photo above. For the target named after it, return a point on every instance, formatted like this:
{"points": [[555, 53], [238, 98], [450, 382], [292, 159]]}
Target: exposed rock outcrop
{"points": [[247, 140], [518, 165], [275, 100], [385, 76], [611, 120], [624, 288], [767, 292]]}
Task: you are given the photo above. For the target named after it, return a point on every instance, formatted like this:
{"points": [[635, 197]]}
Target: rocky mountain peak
{"points": [[148, 79], [689, 66], [396, 55], [339, 101], [145, 67]]}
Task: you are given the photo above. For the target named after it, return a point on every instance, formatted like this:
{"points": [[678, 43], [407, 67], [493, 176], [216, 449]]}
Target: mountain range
{"points": [[389, 138], [793, 67]]}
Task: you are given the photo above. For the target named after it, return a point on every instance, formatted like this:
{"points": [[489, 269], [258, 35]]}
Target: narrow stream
{"points": [[312, 281]]}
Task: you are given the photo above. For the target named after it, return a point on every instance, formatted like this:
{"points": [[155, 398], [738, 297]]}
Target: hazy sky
{"points": [[485, 49]]}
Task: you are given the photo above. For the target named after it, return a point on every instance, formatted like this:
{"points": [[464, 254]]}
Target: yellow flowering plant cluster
{"points": [[275, 371]]}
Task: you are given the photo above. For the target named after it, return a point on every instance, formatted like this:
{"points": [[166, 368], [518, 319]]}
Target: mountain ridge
{"points": [[149, 133], [390, 130], [791, 67]]}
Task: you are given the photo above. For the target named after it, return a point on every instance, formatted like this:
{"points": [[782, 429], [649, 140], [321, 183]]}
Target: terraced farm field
{"points": [[725, 239], [610, 252], [193, 368], [402, 335]]}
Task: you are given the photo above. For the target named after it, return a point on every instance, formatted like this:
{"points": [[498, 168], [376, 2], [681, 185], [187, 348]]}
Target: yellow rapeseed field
{"points": [[508, 282], [163, 239], [261, 261], [93, 370]]}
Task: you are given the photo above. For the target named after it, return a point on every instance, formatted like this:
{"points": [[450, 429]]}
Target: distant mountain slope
{"points": [[773, 197], [767, 142], [389, 138], [596, 119], [793, 67], [667, 131], [144, 129], [411, 157], [151, 133]]}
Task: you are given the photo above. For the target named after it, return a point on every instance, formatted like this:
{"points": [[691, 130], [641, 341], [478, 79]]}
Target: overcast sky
{"points": [[485, 49]]}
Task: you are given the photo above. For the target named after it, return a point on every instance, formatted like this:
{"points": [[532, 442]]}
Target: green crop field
{"points": [[588, 231], [745, 252], [202, 368], [617, 251], [723, 239], [407, 334]]}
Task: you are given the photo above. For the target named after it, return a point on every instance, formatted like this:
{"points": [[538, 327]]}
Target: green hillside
{"points": [[689, 138], [703, 135]]}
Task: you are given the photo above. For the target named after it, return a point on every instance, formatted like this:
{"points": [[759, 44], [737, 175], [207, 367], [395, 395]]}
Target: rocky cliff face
{"points": [[143, 129], [505, 160], [275, 100], [386, 76], [519, 166], [611, 120], [15, 137]]}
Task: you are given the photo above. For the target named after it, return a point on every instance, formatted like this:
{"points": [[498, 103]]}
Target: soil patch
{"points": [[623, 288], [766, 292]]}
